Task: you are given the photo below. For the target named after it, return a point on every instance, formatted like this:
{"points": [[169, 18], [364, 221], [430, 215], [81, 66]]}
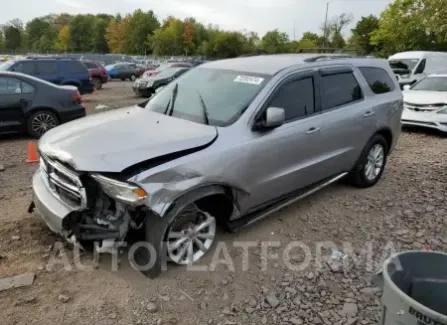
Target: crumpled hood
{"points": [[114, 140], [425, 97]]}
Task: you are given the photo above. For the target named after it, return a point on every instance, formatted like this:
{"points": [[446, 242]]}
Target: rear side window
{"points": [[9, 86], [421, 67], [339, 89], [76, 67], [25, 67], [47, 68], [90, 65], [378, 79], [296, 98]]}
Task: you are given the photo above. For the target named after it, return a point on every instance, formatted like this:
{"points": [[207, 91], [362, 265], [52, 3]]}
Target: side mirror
{"points": [[407, 87], [274, 117], [143, 104]]}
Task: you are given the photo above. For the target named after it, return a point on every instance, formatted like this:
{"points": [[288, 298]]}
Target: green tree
{"points": [[275, 42], [411, 25], [81, 35], [116, 34], [13, 33], [99, 42], [361, 33], [41, 33], [229, 44], [142, 24], [333, 31]]}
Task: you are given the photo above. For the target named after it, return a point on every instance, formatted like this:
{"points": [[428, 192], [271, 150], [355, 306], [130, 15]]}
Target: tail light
{"points": [[77, 99]]}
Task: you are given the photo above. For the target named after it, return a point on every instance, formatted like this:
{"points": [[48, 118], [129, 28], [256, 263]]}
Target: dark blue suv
{"points": [[57, 71]]}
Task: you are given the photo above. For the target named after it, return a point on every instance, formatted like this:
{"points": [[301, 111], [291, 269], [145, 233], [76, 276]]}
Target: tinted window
{"points": [[25, 67], [75, 67], [90, 65], [10, 86], [47, 68], [339, 89], [421, 67], [378, 79], [296, 97], [26, 88]]}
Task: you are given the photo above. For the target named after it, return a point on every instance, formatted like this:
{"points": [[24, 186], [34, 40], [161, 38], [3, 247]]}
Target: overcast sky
{"points": [[256, 15]]}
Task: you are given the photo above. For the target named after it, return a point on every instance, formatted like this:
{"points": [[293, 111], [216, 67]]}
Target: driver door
{"points": [[282, 158]]}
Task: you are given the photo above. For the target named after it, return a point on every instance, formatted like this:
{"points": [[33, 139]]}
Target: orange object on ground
{"points": [[32, 153]]}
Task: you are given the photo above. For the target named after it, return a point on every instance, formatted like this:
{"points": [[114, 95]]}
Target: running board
{"points": [[248, 220]]}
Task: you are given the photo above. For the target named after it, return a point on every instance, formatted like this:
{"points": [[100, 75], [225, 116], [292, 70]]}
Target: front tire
{"points": [[183, 236], [40, 122], [370, 166]]}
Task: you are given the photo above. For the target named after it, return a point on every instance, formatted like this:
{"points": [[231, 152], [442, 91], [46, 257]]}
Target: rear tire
{"points": [[97, 83], [40, 122], [371, 164], [132, 77]]}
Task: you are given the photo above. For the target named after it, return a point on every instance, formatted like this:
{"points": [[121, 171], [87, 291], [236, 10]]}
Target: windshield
{"points": [[407, 64], [169, 72], [202, 95], [6, 65], [431, 84]]}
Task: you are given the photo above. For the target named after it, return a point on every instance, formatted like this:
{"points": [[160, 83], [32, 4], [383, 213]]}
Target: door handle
{"points": [[369, 113], [312, 130]]}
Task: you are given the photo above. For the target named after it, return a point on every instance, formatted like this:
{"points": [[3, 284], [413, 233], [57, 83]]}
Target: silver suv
{"points": [[230, 141]]}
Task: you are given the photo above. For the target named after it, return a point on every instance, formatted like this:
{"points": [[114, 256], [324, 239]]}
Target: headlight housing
{"points": [[43, 165], [122, 191]]}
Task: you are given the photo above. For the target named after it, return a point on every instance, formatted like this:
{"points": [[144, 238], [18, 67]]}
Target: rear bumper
{"points": [[73, 114], [52, 210]]}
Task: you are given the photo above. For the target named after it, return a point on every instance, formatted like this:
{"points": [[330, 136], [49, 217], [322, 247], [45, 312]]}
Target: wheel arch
{"points": [[220, 200], [388, 135], [43, 108]]}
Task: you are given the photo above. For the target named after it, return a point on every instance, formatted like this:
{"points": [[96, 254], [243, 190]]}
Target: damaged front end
{"points": [[88, 207]]}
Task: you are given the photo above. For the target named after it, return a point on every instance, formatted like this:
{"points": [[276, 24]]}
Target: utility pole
{"points": [[325, 25]]}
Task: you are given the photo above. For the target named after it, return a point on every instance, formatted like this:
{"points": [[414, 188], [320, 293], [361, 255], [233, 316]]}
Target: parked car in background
{"points": [[231, 141], [166, 66], [29, 104], [123, 71], [98, 73], [425, 103], [147, 86], [410, 67], [57, 71]]}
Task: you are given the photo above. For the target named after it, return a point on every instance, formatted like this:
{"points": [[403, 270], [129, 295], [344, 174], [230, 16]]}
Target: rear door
{"points": [[49, 71], [347, 119], [15, 99]]}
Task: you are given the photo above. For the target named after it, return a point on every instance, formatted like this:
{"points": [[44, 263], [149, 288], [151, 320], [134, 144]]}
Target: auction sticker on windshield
{"points": [[249, 80]]}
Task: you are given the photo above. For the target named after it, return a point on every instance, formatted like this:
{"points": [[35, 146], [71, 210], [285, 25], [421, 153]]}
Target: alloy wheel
{"points": [[374, 162], [43, 122], [190, 236]]}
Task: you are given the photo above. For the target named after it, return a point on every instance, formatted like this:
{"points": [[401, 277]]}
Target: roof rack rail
{"points": [[337, 57]]}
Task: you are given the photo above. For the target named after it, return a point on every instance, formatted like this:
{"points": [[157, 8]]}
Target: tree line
{"points": [[403, 25]]}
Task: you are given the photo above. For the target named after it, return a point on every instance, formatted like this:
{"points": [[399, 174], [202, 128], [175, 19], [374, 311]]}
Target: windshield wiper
{"points": [[170, 108], [205, 110]]}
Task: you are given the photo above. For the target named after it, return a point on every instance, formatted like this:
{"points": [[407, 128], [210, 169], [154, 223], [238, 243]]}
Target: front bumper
{"points": [[51, 209], [423, 119]]}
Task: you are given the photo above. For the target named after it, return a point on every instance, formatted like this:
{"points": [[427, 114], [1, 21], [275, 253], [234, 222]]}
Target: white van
{"points": [[410, 67]]}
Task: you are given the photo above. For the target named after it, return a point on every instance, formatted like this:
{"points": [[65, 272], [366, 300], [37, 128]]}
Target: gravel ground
{"points": [[405, 210]]}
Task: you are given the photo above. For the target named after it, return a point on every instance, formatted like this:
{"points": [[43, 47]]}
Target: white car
{"points": [[425, 103]]}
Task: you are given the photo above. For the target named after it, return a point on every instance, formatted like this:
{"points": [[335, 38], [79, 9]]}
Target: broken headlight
{"points": [[43, 165], [122, 191]]}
